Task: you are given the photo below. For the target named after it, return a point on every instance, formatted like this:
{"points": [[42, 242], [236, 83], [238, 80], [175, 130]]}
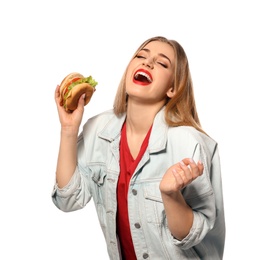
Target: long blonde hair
{"points": [[180, 110]]}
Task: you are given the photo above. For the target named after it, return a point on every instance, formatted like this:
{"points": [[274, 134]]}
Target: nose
{"points": [[148, 63]]}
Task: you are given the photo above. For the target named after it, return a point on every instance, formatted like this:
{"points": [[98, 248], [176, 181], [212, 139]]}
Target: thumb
{"points": [[81, 102], [82, 99]]}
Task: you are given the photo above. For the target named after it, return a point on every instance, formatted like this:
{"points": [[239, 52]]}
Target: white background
{"points": [[231, 50]]}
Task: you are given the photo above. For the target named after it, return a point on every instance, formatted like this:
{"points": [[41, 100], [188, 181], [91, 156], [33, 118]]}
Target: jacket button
{"points": [[134, 192], [145, 255], [137, 225]]}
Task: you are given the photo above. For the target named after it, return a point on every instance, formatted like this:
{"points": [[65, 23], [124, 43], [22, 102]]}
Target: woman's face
{"points": [[150, 74]]}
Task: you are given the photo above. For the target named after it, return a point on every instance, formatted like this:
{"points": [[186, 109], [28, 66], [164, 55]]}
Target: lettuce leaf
{"points": [[88, 80]]}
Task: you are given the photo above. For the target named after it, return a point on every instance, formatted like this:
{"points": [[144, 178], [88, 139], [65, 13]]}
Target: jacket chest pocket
{"points": [[103, 186], [98, 179]]}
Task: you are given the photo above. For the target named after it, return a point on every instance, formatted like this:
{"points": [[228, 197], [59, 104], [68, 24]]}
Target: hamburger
{"points": [[72, 87]]}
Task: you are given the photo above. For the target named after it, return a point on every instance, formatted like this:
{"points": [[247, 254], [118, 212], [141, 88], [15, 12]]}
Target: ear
{"points": [[171, 92]]}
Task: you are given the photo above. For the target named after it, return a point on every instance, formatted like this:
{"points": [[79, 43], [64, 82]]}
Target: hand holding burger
{"points": [[72, 87]]}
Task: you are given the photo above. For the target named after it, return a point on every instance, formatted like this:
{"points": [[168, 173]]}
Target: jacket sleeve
{"points": [[75, 195], [204, 195]]}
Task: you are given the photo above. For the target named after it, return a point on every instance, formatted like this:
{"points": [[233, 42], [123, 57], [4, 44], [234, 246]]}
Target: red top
{"points": [[127, 168]]}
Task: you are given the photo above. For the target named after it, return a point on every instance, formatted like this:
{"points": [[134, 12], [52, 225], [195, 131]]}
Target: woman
{"points": [[151, 170]]}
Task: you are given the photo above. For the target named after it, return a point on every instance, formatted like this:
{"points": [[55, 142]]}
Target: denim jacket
{"points": [[96, 177]]}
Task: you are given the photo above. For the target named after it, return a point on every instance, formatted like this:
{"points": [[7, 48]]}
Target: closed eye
{"points": [[140, 57], [162, 64]]}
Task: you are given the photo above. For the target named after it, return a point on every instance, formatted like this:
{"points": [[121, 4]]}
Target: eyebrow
{"points": [[160, 54]]}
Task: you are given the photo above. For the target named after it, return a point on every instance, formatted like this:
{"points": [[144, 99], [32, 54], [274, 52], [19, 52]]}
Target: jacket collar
{"points": [[158, 138], [112, 130]]}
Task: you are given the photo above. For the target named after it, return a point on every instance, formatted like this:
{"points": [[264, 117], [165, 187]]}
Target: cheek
{"points": [[170, 80], [167, 79]]}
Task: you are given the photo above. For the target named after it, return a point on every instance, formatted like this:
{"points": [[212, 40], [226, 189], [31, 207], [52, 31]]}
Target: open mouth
{"points": [[142, 77]]}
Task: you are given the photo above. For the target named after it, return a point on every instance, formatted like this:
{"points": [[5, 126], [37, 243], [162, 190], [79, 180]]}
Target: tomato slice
{"points": [[68, 84]]}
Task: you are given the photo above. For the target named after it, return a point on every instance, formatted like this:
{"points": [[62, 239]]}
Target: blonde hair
{"points": [[180, 110]]}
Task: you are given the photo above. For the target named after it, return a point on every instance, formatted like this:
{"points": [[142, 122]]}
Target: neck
{"points": [[140, 117]]}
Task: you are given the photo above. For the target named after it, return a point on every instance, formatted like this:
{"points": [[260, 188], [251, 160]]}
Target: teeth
{"points": [[143, 74]]}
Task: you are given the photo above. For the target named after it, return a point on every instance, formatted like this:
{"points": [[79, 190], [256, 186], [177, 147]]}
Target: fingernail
{"points": [[200, 162], [191, 160]]}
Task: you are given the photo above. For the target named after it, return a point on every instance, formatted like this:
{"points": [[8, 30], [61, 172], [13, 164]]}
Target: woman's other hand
{"points": [[180, 175]]}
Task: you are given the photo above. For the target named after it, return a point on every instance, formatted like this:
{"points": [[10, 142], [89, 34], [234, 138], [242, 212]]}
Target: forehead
{"points": [[157, 47]]}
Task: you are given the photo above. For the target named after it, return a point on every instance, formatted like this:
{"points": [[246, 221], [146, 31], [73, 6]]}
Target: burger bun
{"points": [[75, 94]]}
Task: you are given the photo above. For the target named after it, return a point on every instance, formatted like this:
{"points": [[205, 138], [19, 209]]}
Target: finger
{"points": [[179, 179], [81, 100], [188, 161], [195, 170], [186, 170], [200, 167], [57, 94]]}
